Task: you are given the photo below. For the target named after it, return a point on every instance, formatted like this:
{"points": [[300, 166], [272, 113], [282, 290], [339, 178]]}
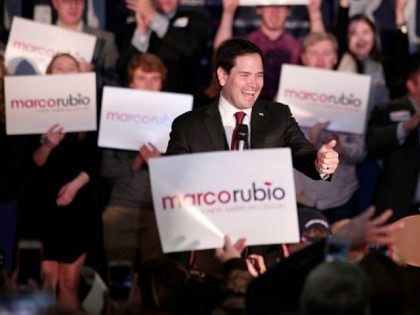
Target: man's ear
{"points": [[221, 76]]}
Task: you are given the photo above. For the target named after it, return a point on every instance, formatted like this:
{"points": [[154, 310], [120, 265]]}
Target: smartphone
{"points": [[29, 262], [379, 248], [336, 248], [119, 278]]}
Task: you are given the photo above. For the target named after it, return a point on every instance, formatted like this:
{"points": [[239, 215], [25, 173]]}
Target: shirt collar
{"points": [[227, 112], [170, 15], [78, 28]]}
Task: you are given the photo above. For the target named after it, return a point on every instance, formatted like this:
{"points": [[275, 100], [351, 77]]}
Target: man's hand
{"points": [[365, 229], [399, 11], [54, 136], [143, 7], [327, 158], [256, 265], [147, 151], [314, 7], [229, 250]]}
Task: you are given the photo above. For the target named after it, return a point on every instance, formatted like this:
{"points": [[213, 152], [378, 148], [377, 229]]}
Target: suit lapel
{"points": [[258, 119], [214, 126]]}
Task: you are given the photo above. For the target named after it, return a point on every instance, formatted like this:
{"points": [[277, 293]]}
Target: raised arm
{"points": [[49, 141], [224, 31], [315, 16]]}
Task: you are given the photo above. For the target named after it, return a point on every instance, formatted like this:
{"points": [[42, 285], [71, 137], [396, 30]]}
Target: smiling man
{"points": [[239, 65]]}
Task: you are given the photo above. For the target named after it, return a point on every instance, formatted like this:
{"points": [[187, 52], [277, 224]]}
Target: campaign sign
{"points": [[131, 117], [272, 2], [318, 95], [198, 198], [35, 103], [32, 45]]}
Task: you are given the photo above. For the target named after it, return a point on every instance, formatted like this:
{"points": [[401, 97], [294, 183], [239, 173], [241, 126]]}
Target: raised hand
{"points": [[54, 136], [229, 250], [327, 158], [365, 229]]}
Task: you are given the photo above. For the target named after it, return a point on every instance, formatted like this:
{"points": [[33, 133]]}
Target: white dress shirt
{"points": [[227, 112]]}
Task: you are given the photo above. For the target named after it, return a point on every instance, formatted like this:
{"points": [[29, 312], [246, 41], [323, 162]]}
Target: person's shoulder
{"points": [[271, 106], [100, 33], [195, 114]]}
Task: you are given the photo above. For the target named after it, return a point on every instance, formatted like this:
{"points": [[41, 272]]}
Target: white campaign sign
{"points": [[198, 198], [130, 117], [36, 43], [36, 103], [272, 2], [317, 95]]}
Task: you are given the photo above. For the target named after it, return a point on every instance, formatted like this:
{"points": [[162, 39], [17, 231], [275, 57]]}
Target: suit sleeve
{"points": [[177, 139], [187, 41], [303, 152]]}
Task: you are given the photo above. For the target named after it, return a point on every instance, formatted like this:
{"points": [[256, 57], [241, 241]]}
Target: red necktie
{"points": [[239, 116]]}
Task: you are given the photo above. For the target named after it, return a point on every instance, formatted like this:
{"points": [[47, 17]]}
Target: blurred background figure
{"points": [[65, 198], [177, 36], [129, 224], [336, 288]]}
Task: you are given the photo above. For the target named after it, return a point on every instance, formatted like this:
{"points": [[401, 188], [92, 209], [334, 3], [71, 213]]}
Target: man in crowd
{"points": [[70, 16], [176, 36], [393, 135], [335, 200], [278, 45]]}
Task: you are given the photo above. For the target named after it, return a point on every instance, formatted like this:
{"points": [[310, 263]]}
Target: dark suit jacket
{"points": [[401, 162], [105, 56], [272, 126], [279, 289], [180, 49]]}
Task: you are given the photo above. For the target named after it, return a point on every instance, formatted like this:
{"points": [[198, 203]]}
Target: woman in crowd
{"points": [[363, 57], [65, 198]]}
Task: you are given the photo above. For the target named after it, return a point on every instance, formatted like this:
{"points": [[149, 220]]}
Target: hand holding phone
{"points": [[120, 277], [29, 262], [336, 248]]}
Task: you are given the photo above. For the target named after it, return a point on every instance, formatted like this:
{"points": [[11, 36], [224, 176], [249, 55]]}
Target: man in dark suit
{"points": [[239, 65], [393, 135], [105, 56], [177, 36]]}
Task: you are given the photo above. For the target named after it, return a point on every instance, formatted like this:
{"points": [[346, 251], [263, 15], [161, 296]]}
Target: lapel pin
{"points": [[261, 114]]}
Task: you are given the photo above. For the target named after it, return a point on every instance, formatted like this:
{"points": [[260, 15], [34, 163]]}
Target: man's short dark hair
{"points": [[232, 48], [336, 288]]}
